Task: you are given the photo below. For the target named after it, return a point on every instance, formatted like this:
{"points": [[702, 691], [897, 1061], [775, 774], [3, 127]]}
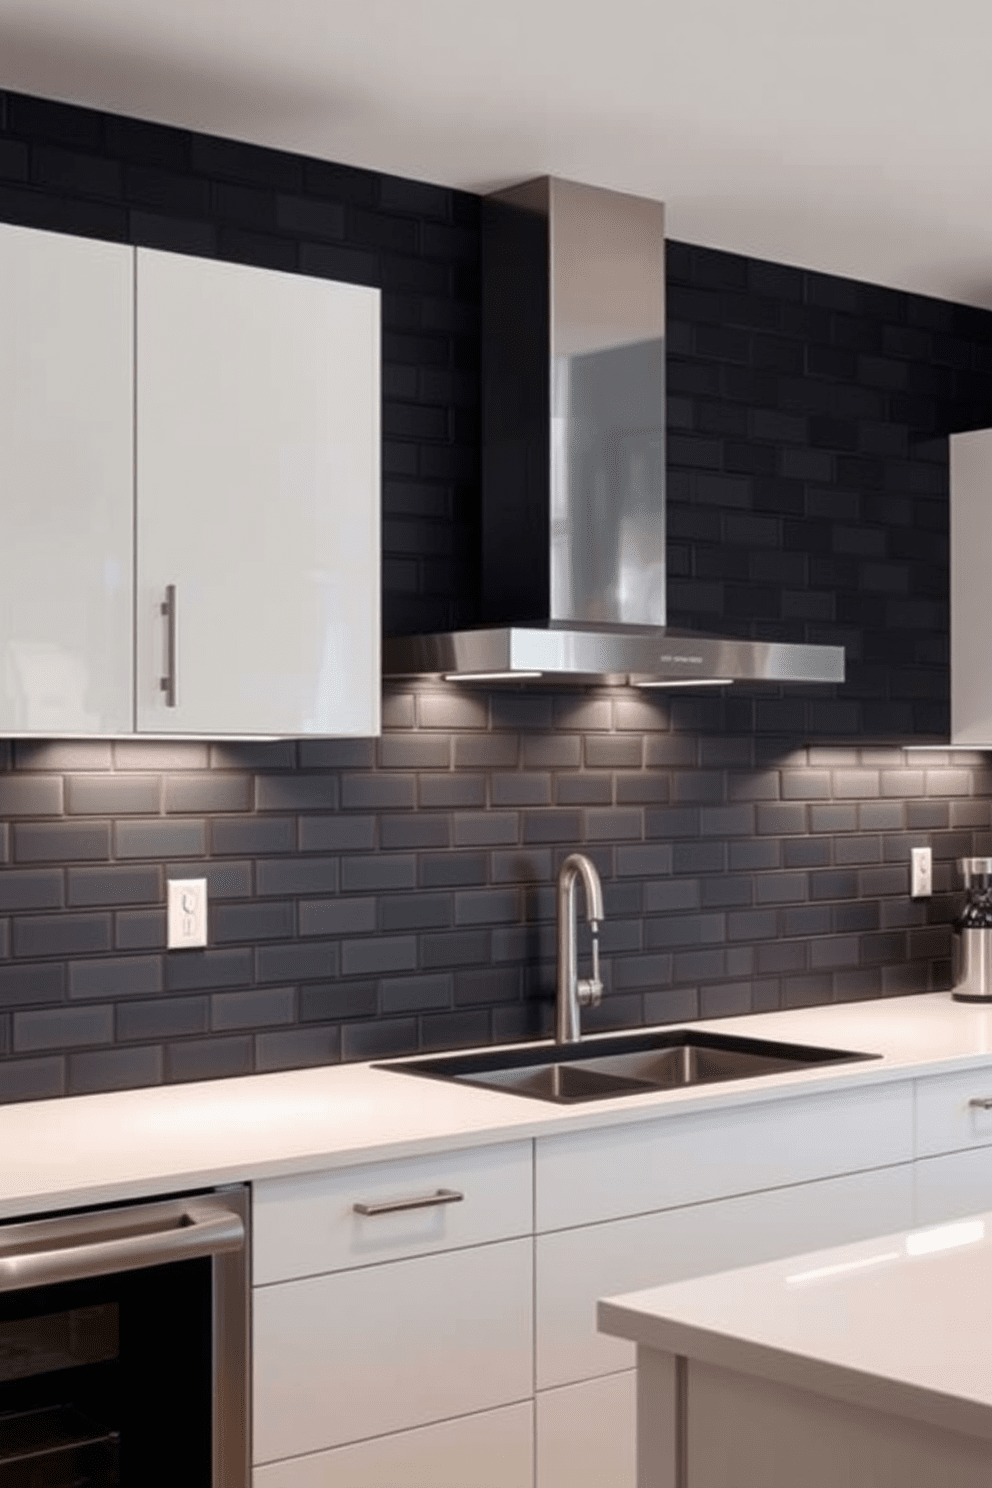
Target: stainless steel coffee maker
{"points": [[973, 934]]}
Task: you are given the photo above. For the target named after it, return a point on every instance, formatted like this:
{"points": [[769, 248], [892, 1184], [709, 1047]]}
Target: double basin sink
{"points": [[631, 1064]]}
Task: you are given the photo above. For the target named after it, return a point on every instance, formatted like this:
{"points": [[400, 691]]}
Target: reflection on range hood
{"points": [[573, 462]]}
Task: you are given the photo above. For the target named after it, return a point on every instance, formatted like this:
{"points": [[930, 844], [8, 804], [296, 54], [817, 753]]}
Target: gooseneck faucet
{"points": [[571, 992]]}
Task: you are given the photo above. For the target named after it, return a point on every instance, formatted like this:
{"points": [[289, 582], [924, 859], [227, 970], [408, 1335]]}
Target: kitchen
{"points": [[375, 898]]}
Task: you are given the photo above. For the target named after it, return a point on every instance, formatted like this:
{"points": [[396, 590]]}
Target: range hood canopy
{"points": [[573, 461]]}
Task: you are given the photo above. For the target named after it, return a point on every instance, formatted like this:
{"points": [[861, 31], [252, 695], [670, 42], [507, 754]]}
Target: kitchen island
{"points": [[866, 1365]]}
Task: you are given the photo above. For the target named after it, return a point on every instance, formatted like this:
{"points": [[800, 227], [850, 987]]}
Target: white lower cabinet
{"points": [[586, 1433], [493, 1449], [364, 1352], [952, 1186], [574, 1268]]}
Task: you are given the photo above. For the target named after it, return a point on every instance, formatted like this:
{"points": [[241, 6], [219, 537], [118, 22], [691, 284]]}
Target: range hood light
{"points": [[490, 676], [654, 682]]}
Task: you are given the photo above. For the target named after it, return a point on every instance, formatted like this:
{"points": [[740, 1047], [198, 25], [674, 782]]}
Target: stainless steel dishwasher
{"points": [[124, 1346]]}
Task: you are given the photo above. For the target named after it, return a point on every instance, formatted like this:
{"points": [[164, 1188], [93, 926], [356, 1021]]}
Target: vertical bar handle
{"points": [[168, 682]]}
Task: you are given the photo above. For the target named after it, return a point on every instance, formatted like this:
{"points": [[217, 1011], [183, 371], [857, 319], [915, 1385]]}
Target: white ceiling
{"points": [[853, 136]]}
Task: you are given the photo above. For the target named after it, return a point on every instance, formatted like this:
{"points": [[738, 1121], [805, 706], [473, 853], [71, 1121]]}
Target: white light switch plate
{"points": [[187, 920], [922, 873]]}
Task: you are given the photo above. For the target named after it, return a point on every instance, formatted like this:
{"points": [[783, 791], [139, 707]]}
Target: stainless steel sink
{"points": [[629, 1064]]}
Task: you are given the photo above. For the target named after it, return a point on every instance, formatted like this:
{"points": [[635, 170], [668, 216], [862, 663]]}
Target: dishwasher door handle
{"points": [[67, 1249]]}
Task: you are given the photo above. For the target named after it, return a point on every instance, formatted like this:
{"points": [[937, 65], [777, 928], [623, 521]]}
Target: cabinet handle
{"points": [[168, 682], [424, 1201], [981, 1102]]}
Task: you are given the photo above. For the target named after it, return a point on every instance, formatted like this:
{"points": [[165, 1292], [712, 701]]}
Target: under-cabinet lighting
{"points": [[945, 1237], [648, 682], [490, 676]]}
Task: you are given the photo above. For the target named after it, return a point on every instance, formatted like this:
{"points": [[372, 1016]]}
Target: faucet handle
{"points": [[590, 990]]}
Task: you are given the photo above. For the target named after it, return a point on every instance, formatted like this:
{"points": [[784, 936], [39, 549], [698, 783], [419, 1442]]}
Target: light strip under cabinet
{"points": [[646, 683], [490, 676]]}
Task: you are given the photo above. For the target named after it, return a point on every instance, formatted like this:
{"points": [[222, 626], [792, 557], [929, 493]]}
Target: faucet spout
{"points": [[571, 993]]}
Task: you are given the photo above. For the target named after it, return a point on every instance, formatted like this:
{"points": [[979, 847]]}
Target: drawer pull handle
{"points": [[981, 1102], [424, 1201]]}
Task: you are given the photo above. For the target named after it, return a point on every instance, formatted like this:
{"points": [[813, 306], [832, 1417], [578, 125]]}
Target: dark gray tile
{"points": [[62, 934], [902, 783], [298, 876], [454, 708], [378, 954], [23, 985], [757, 785], [781, 956], [699, 966], [780, 818], [219, 791], [552, 826], [337, 833], [337, 754], [486, 751], [894, 880], [754, 855], [613, 752], [646, 860], [32, 1079], [4, 842], [331, 1000], [114, 795], [119, 976], [251, 922], [61, 842], [214, 1058], [829, 952], [455, 1030], [162, 1018], [115, 1069], [259, 1008], [31, 888], [297, 1048], [110, 886], [727, 891], [670, 931], [379, 1040], [530, 710], [805, 852], [160, 839], [552, 751], [416, 830], [807, 919], [927, 816], [699, 857], [62, 754], [805, 785], [253, 835], [487, 906], [645, 971], [611, 824], [416, 912], [31, 795], [414, 994], [641, 714], [277, 754], [671, 751], [727, 1001], [833, 819], [377, 792], [521, 789], [190, 970], [452, 870], [454, 791], [296, 792], [153, 754], [414, 752], [455, 948], [727, 821], [381, 872], [313, 962], [63, 1027], [583, 790], [520, 867], [139, 929], [224, 880], [486, 828], [399, 709], [666, 895], [863, 784], [337, 916], [704, 786], [669, 822], [780, 888], [859, 849], [646, 788], [493, 985]]}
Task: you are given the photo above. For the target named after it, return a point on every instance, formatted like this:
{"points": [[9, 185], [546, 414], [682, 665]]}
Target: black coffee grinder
{"points": [[973, 934]]}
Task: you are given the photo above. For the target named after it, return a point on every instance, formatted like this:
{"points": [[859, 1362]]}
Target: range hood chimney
{"points": [[573, 462]]}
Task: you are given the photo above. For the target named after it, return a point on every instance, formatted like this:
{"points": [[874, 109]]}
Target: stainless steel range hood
{"points": [[573, 462]]}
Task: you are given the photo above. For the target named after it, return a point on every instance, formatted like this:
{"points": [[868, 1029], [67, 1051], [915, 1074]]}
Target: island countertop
{"points": [[129, 1144]]}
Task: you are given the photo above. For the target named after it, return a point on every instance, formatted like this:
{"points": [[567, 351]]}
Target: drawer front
{"points": [[945, 1119], [574, 1268], [597, 1175], [952, 1186], [587, 1434], [362, 1353], [307, 1225], [492, 1450]]}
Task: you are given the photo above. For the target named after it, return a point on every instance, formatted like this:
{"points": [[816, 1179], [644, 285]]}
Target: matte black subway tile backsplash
{"points": [[374, 897]]}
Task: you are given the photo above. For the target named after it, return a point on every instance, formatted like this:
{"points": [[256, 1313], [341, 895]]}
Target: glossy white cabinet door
{"points": [[587, 1434], [258, 499], [340, 1358], [492, 1450], [66, 484]]}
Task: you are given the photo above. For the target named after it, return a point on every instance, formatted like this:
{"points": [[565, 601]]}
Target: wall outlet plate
{"points": [[922, 873], [187, 918]]}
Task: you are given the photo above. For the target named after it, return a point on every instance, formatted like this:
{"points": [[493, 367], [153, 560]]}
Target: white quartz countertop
{"points": [[100, 1148], [901, 1324]]}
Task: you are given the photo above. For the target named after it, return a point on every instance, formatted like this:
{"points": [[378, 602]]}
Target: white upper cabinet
{"points": [[971, 548], [66, 484], [189, 467], [257, 500]]}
